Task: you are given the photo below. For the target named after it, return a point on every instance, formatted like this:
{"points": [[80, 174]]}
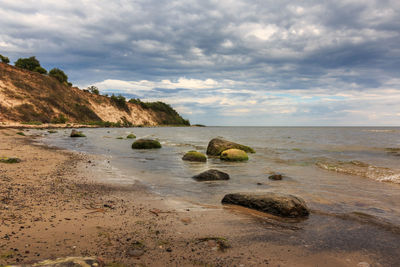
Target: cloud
{"points": [[307, 62]]}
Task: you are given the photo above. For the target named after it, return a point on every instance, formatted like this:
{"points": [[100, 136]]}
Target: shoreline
{"points": [[52, 206]]}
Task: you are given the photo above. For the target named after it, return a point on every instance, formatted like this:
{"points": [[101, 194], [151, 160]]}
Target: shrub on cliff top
{"points": [[4, 59], [59, 75], [27, 63]]}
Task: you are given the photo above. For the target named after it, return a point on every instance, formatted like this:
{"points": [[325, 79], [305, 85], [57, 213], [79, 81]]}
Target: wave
{"points": [[379, 131], [362, 169]]}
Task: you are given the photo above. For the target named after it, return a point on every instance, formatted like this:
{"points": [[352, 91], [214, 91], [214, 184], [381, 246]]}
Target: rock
{"points": [[131, 136], [10, 160], [234, 154], [75, 133], [146, 144], [275, 177], [120, 137], [363, 264], [52, 131], [216, 146], [135, 252], [72, 261], [195, 156], [277, 204], [211, 175]]}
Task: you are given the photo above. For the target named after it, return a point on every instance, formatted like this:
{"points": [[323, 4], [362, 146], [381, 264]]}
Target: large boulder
{"points": [[75, 133], [234, 154], [211, 175], [216, 146], [146, 144], [194, 156], [277, 204]]}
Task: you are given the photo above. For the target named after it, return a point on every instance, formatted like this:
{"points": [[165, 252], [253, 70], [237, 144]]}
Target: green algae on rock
{"points": [[216, 146], [234, 154], [9, 160], [194, 156], [146, 144], [131, 136]]}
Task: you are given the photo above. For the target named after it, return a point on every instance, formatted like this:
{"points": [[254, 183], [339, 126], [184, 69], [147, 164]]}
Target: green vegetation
{"points": [[4, 59], [120, 102], [131, 136], [146, 144], [59, 75], [59, 119], [171, 116], [21, 133], [93, 89], [76, 133], [32, 123], [109, 124], [40, 70]]}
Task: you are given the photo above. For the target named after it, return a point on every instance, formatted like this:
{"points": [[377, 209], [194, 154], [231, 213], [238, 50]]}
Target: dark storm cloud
{"points": [[260, 47]]}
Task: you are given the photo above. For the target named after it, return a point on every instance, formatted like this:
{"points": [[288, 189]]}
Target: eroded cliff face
{"points": [[27, 96]]}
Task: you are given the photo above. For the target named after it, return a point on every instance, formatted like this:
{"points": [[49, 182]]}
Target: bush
{"points": [[59, 75], [60, 119], [94, 90], [27, 63], [4, 59], [120, 102], [40, 70]]}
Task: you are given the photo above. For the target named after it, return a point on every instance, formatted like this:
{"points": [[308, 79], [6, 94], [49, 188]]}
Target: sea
{"points": [[348, 176]]}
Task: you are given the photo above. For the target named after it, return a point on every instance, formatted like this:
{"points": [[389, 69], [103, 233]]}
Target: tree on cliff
{"points": [[4, 59], [59, 75], [31, 64]]}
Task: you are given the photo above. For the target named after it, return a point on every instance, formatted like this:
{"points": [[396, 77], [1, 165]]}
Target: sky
{"points": [[223, 62]]}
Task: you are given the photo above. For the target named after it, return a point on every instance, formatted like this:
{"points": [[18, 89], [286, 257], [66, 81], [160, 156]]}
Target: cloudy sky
{"points": [[223, 62]]}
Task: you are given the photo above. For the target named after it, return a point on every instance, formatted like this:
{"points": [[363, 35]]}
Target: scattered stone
{"points": [[146, 144], [21, 133], [9, 160], [216, 146], [234, 154], [275, 176], [52, 131], [75, 133], [186, 220], [133, 252], [120, 137], [72, 261], [277, 204], [131, 136], [363, 264], [211, 175], [259, 183], [195, 156]]}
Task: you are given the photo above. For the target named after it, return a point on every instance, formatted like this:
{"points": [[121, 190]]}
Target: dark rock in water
{"points": [[195, 156], [211, 175], [234, 154], [277, 204], [275, 176], [146, 144], [75, 133], [72, 261], [9, 160], [216, 146]]}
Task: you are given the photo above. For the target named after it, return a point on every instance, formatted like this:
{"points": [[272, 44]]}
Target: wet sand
{"points": [[52, 206]]}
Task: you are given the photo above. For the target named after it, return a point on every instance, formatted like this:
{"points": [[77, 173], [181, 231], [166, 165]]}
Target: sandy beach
{"points": [[51, 206]]}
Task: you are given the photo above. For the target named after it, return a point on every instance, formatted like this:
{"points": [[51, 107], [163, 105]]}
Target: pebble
{"points": [[363, 264]]}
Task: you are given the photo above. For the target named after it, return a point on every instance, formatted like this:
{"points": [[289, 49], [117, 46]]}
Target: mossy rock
{"points": [[120, 137], [195, 156], [146, 144], [52, 131], [216, 146], [21, 133], [234, 154], [9, 160], [76, 133], [131, 136]]}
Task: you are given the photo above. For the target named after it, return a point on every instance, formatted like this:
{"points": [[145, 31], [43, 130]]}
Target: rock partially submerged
{"points": [[72, 261], [211, 175], [275, 177], [9, 160], [146, 144], [75, 133], [277, 204], [216, 146], [234, 154], [194, 156], [131, 136]]}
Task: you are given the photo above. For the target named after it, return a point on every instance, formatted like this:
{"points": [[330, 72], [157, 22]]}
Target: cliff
{"points": [[27, 97]]}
